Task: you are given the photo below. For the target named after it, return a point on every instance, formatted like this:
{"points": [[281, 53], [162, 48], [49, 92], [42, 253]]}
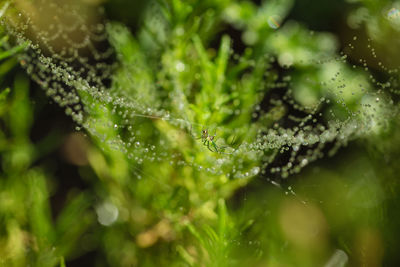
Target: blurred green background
{"points": [[68, 199]]}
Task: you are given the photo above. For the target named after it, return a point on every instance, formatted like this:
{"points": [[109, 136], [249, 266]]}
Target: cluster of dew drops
{"points": [[75, 73]]}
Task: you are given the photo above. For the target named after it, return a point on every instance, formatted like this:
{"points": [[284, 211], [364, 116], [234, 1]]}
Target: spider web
{"points": [[75, 56]]}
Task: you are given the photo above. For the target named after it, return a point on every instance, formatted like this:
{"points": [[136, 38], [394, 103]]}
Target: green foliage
{"points": [[154, 193]]}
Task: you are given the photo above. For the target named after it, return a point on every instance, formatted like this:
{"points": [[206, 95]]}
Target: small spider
{"points": [[209, 141]]}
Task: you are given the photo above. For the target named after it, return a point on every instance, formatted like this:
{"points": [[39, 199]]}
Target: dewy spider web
{"points": [[69, 56]]}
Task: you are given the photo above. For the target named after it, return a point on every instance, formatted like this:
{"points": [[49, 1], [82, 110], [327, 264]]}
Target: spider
{"points": [[209, 141]]}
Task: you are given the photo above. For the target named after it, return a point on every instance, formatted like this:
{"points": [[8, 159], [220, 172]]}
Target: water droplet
{"points": [[107, 213], [393, 13], [255, 170], [180, 66], [274, 22]]}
